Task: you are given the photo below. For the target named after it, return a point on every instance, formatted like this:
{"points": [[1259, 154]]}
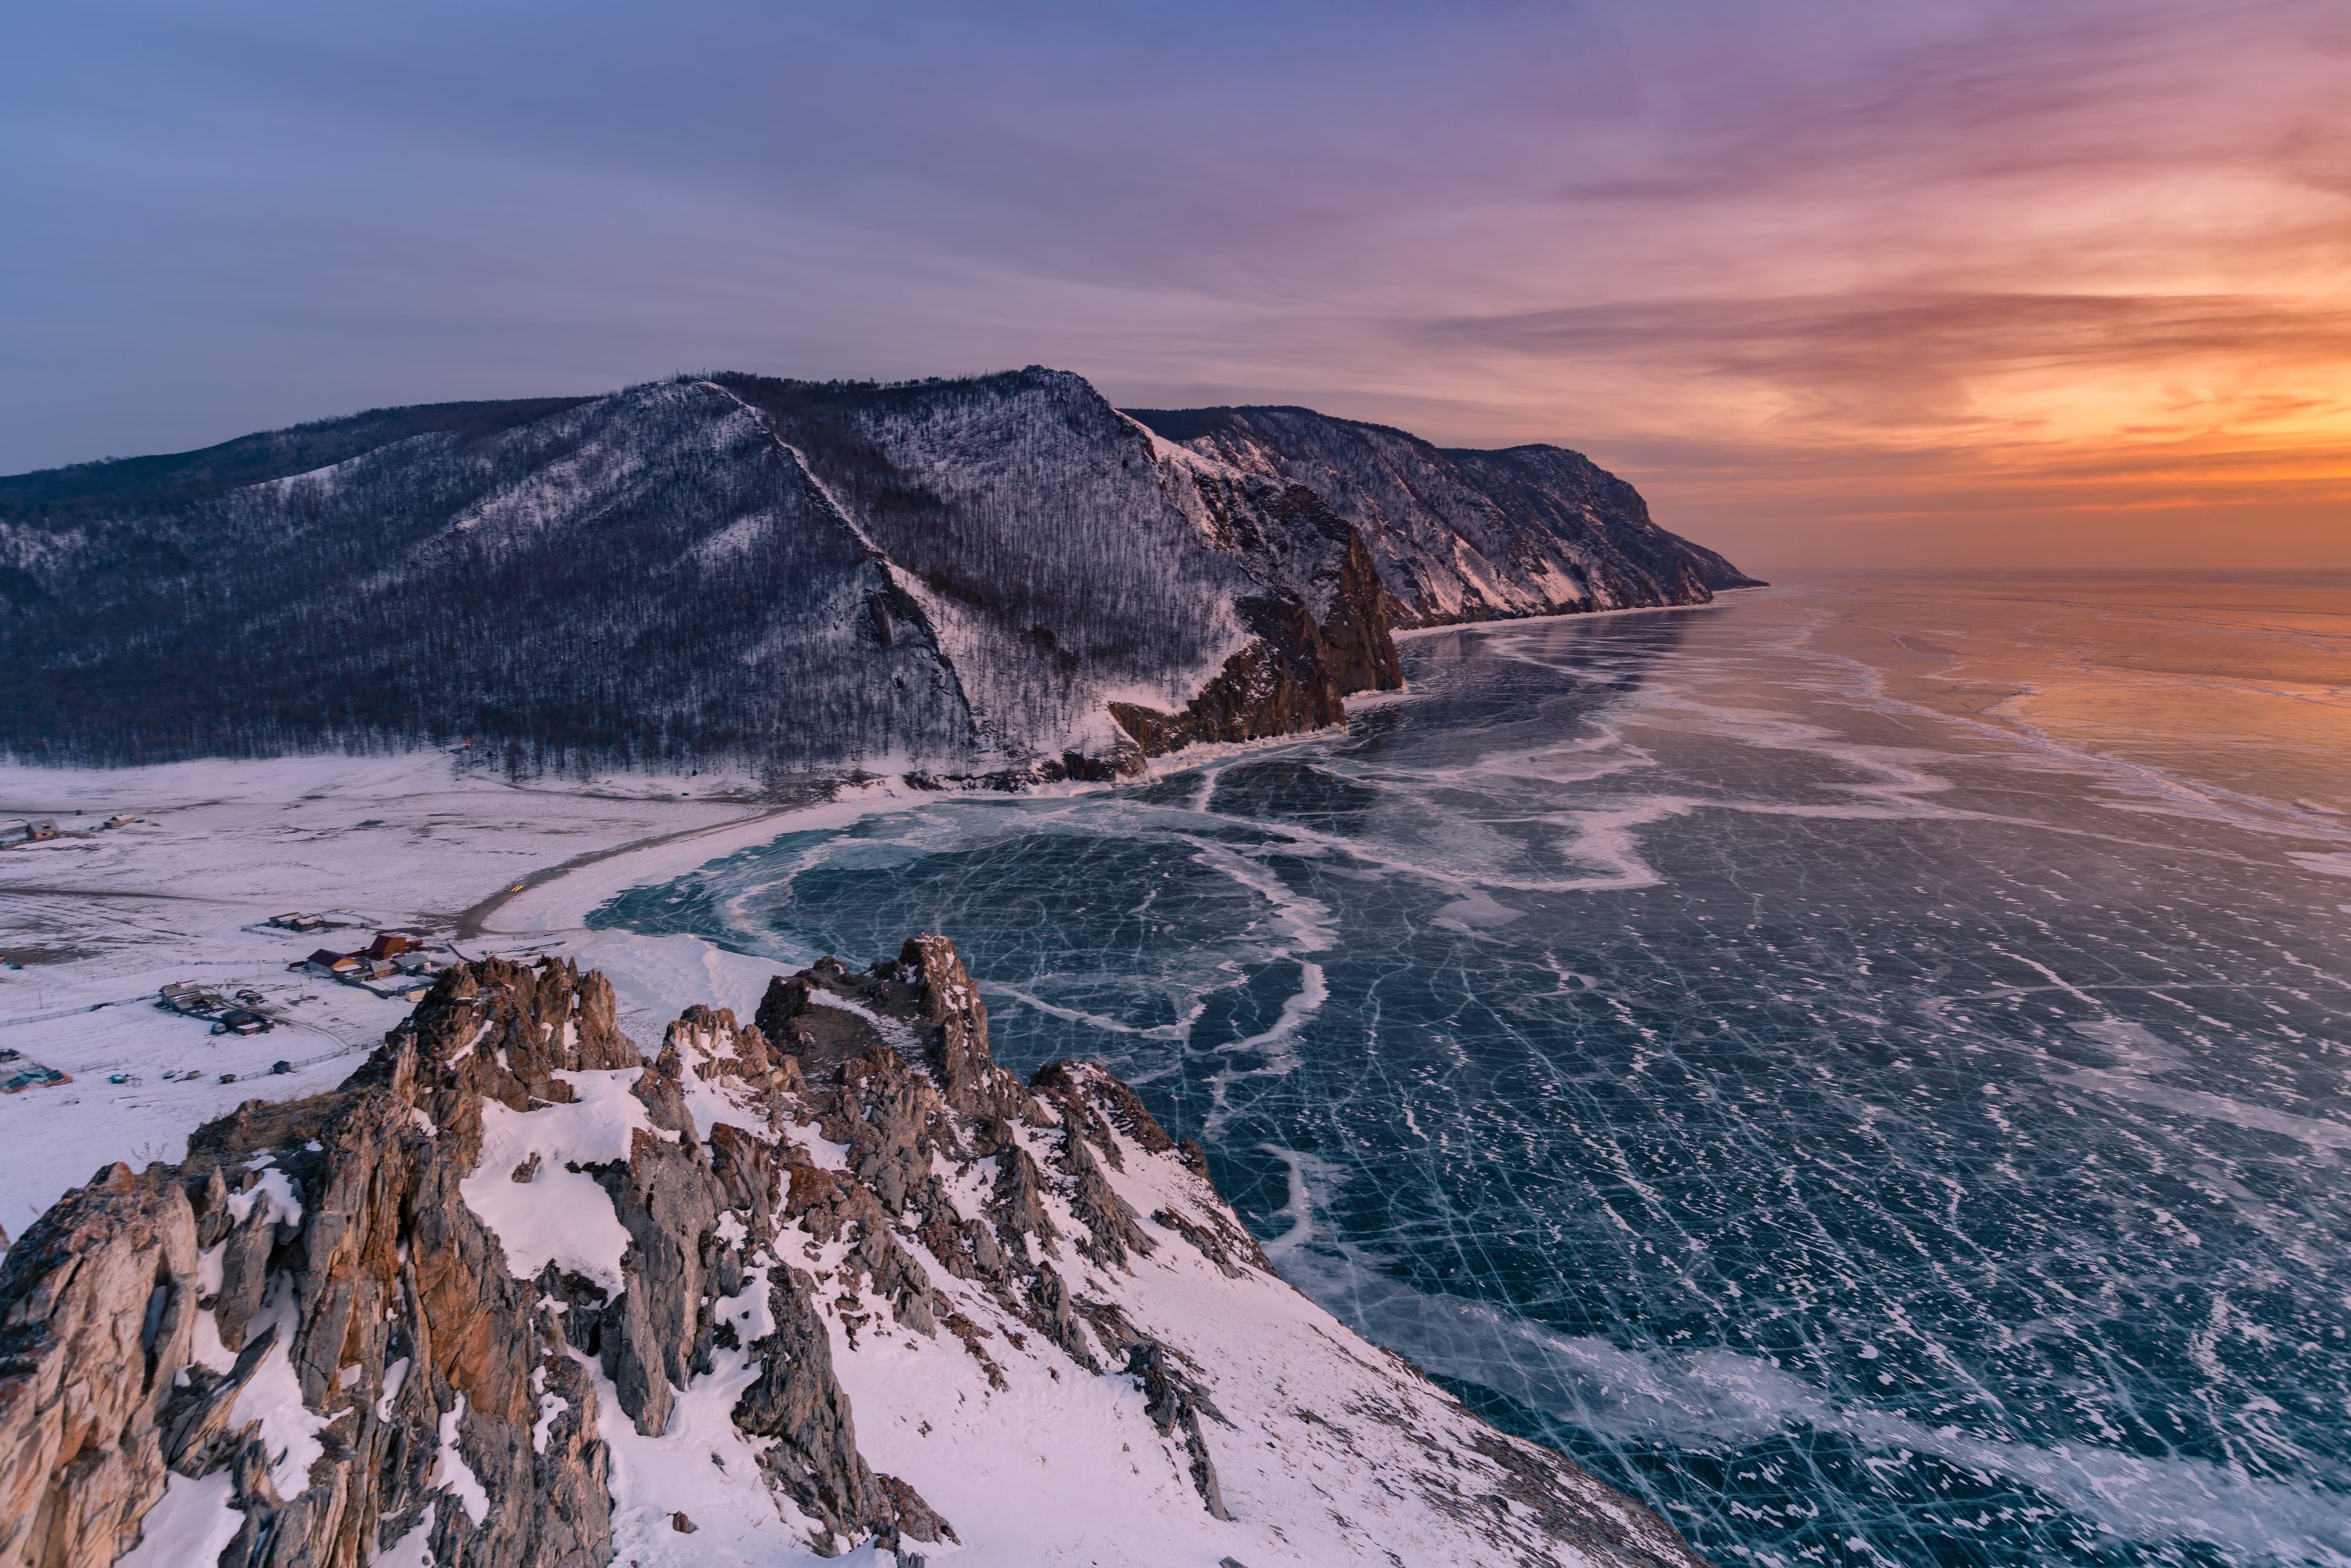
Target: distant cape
{"points": [[1001, 577]]}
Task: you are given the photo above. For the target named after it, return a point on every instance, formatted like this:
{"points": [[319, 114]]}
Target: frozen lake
{"points": [[1861, 1066]]}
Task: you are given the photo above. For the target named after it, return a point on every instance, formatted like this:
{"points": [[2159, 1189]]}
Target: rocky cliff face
{"points": [[1460, 534], [1002, 576], [1326, 637], [829, 1281]]}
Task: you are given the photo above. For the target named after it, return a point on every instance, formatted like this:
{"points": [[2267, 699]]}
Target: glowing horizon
{"points": [[1957, 283]]}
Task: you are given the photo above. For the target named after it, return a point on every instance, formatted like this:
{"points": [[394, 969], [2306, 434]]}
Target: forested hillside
{"points": [[1001, 575]]}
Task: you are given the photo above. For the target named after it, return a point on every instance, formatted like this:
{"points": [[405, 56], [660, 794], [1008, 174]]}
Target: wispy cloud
{"points": [[1802, 267], [1902, 359]]}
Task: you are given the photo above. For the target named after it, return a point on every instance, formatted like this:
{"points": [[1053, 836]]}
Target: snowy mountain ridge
{"points": [[1002, 576], [831, 1282]]}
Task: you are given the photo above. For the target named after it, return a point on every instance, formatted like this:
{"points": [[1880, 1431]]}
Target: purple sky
{"points": [[1860, 283]]}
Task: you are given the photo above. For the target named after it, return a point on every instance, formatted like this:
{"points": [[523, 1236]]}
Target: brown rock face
{"points": [[98, 1308], [1320, 631], [668, 1201], [1357, 643], [390, 1303], [1279, 684]]}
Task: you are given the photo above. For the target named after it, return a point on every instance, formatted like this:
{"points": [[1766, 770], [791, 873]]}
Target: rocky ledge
{"points": [[516, 1297]]}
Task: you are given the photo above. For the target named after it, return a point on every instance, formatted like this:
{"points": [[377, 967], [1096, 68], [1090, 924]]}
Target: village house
{"points": [[19, 1072], [305, 923], [191, 998], [393, 964]]}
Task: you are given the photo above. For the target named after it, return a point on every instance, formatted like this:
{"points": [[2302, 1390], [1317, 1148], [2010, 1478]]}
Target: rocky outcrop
{"points": [[393, 1374], [421, 1313], [1320, 633], [1279, 684], [1174, 1404], [422, 1384], [98, 1310]]}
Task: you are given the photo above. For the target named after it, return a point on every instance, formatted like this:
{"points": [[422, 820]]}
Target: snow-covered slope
{"points": [[954, 577], [1462, 534], [997, 576], [1067, 567], [831, 1282]]}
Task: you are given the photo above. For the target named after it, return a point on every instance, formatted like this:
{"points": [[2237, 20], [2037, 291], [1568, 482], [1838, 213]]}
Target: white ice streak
{"points": [[2155, 789], [2140, 1054], [1717, 1401], [1078, 1015], [1306, 924], [2326, 863]]}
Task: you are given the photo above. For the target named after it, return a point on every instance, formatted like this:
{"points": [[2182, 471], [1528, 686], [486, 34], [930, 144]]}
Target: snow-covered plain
{"points": [[99, 919]]}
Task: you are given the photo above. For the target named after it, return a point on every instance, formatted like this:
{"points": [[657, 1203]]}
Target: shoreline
{"points": [[408, 841], [1416, 633], [566, 900]]}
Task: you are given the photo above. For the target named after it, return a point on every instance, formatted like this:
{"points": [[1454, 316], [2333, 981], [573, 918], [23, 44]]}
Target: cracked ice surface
{"points": [[1869, 1135]]}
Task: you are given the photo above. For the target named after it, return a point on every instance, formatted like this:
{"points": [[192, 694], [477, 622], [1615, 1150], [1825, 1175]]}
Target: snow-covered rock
{"points": [[829, 1283]]}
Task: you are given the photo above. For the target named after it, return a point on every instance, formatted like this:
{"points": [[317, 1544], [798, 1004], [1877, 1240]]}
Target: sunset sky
{"points": [[1871, 283]]}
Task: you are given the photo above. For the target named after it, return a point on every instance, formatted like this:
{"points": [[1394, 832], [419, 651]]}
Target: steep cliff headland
{"points": [[1465, 534], [1003, 576], [830, 1282]]}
